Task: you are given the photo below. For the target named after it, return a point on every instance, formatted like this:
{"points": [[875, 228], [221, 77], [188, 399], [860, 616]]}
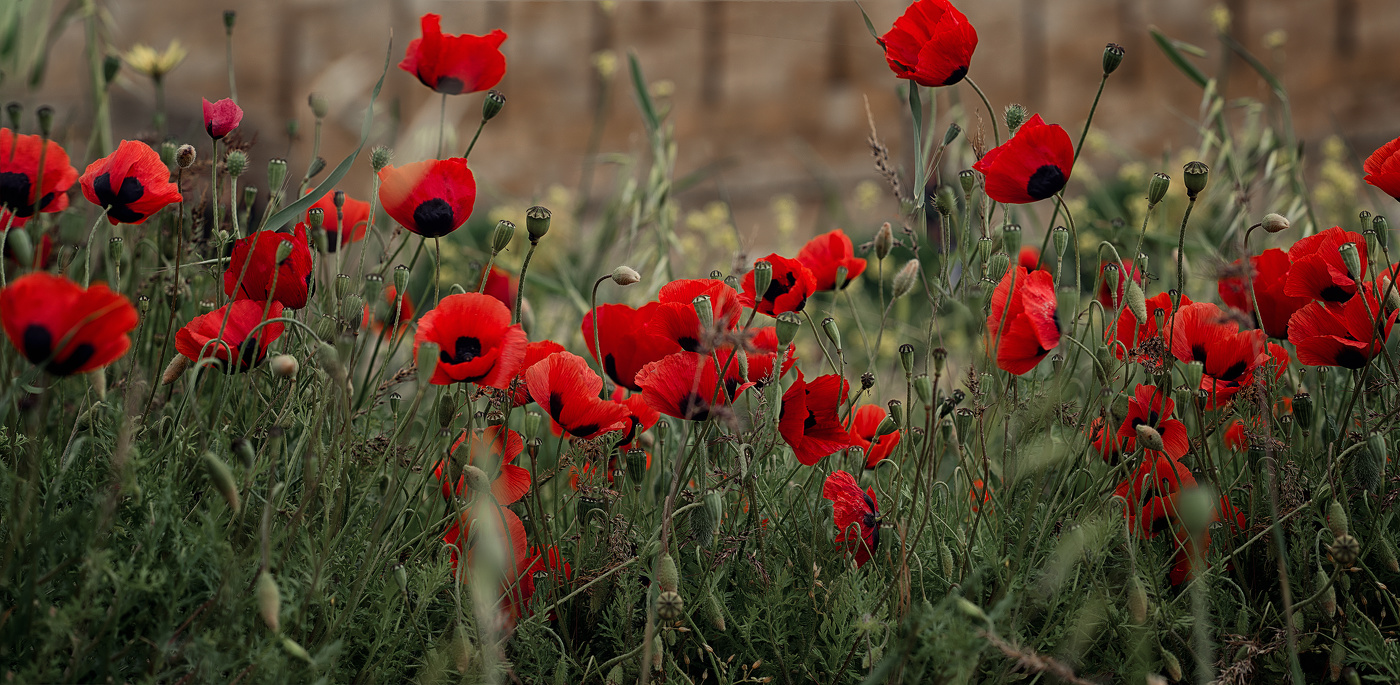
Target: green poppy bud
{"points": [[269, 601], [1157, 188], [243, 449], [250, 195], [1137, 303], [501, 237], [235, 163], [1329, 596], [1171, 665], [905, 278], [20, 247], [1195, 175], [944, 201], [537, 222], [1112, 57], [222, 478], [884, 241], [320, 106], [167, 152], [380, 157], [951, 134], [492, 105], [923, 387], [1014, 115], [625, 275], [840, 281]]}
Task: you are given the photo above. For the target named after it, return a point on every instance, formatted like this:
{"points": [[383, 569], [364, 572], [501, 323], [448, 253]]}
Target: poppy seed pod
{"points": [[352, 310], [185, 156], [887, 426], [1195, 175], [1345, 550], [1157, 188], [45, 116], [906, 358], [501, 237], [1112, 58], [320, 106], [923, 387], [1352, 259], [276, 173], [1378, 222], [235, 163], [867, 380], [380, 157], [762, 276], [400, 278], [1011, 238], [669, 605], [492, 105], [968, 179], [636, 464], [230, 17], [1061, 238], [284, 366], [395, 400], [537, 222], [832, 331], [884, 241], [962, 420], [1303, 409], [1372, 244], [951, 134], [705, 311], [905, 279], [897, 412], [940, 357], [787, 325], [997, 265], [839, 282], [625, 275], [250, 195], [342, 286], [284, 251], [427, 354], [243, 449]]}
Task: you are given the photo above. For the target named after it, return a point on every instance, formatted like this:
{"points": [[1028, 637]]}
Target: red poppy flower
{"points": [[564, 386], [1235, 438], [1127, 335], [131, 183], [502, 286], [488, 446], [356, 220], [979, 494], [686, 385], [864, 427], [626, 341], [765, 353], [1111, 296], [1188, 551], [809, 420], [792, 284], [640, 417], [1106, 442], [1342, 336], [931, 44], [254, 261], [1022, 327], [676, 320], [545, 562], [1149, 407], [1383, 168], [1033, 165], [517, 580], [1270, 277], [828, 252], [405, 315], [19, 172], [1150, 493], [220, 118], [1318, 271], [1201, 332], [227, 333], [856, 515], [431, 198], [476, 342], [1029, 259], [453, 65], [64, 328], [535, 352]]}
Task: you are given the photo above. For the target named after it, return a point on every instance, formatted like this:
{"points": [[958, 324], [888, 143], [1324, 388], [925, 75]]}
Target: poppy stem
{"points": [[520, 285], [442, 124], [437, 269], [996, 136], [87, 262], [593, 303], [474, 137], [1180, 262]]}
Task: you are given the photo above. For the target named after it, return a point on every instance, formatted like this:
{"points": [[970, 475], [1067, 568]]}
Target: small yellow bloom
{"points": [[605, 61], [146, 60]]}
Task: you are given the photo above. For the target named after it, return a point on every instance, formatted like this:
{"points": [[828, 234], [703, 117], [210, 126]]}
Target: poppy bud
{"points": [[1386, 552], [1303, 409], [1015, 115], [1170, 664], [741, 361], [968, 179], [446, 411], [923, 387], [230, 17], [1329, 595], [884, 241], [840, 279], [762, 278], [1337, 519], [1137, 304], [537, 222], [1150, 438], [291, 647], [400, 279], [20, 247], [1369, 464], [284, 366], [167, 152], [997, 265], [172, 372], [1112, 57], [944, 201], [897, 413], [1352, 259], [832, 331], [1344, 550], [669, 605], [243, 449], [1137, 600], [940, 357], [787, 325], [636, 464], [427, 354], [906, 358], [276, 173], [401, 578], [184, 157], [492, 105], [380, 157], [111, 64], [905, 279], [1011, 238], [250, 195], [269, 601], [319, 105], [501, 237], [625, 275], [1194, 175], [15, 110], [45, 115], [951, 134], [235, 163], [1157, 188], [223, 481], [475, 479]]}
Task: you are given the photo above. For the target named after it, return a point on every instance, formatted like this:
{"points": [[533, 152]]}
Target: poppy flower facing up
{"points": [[1033, 165], [564, 386], [254, 261], [1148, 407], [686, 385], [64, 328], [810, 421], [1383, 168], [1022, 327], [1134, 335], [856, 514], [488, 446], [19, 172], [220, 118], [356, 220], [453, 65], [828, 252], [1344, 336], [625, 341], [201, 338], [131, 183], [931, 44], [1318, 271], [792, 284], [430, 198], [1270, 277], [865, 428], [476, 342], [1201, 332]]}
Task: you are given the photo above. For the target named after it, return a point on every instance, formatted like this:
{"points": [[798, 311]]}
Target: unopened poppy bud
{"points": [[1150, 438], [427, 358], [951, 134], [840, 282], [380, 157], [293, 128], [269, 601], [1170, 664], [401, 577], [250, 195], [235, 163], [45, 115], [492, 105], [705, 310], [1197, 508], [291, 647], [395, 400], [1137, 303], [1157, 188], [884, 241], [537, 222], [446, 411], [400, 279], [668, 576], [1345, 550], [1112, 57], [20, 247], [1137, 600], [285, 366], [1337, 519], [1011, 238], [905, 279], [337, 198], [320, 106], [172, 372], [997, 265], [968, 179], [1061, 238], [944, 201], [1015, 114], [167, 152], [111, 64], [501, 237], [184, 157], [625, 275], [476, 479], [222, 478], [276, 173], [1303, 409], [923, 387], [230, 17], [1329, 595], [15, 110], [243, 449], [787, 325], [832, 331], [1195, 175], [762, 278], [1352, 259]]}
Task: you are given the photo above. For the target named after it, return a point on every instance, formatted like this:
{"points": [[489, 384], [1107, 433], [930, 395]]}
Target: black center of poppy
{"points": [[434, 218], [610, 367], [1198, 353], [585, 429], [249, 354], [810, 422], [1350, 358], [956, 76], [449, 85], [38, 348], [1046, 181], [1235, 371], [118, 202], [16, 194], [465, 350], [694, 407], [689, 344], [1335, 293], [779, 286], [556, 405]]}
